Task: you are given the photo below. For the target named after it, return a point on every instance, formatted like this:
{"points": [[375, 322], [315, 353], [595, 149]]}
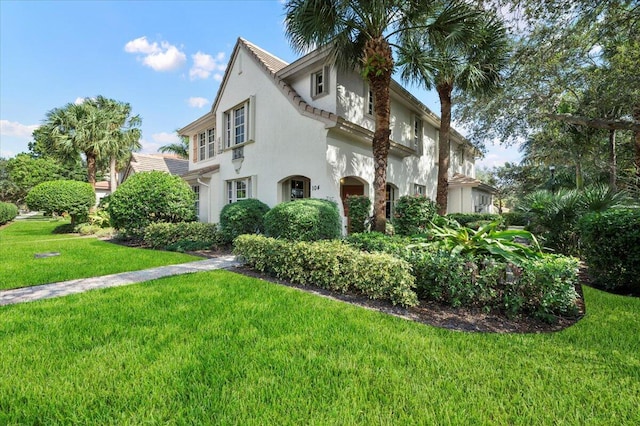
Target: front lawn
{"points": [[222, 348], [80, 257]]}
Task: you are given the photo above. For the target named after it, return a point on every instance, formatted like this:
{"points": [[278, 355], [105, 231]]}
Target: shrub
{"points": [[331, 265], [8, 212], [475, 220], [183, 236], [90, 229], [540, 287], [150, 197], [63, 196], [515, 219], [379, 242], [304, 220], [359, 207], [242, 217], [611, 248], [413, 214]]}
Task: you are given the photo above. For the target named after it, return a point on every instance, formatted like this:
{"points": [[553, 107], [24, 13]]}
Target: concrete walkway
{"points": [[47, 291]]}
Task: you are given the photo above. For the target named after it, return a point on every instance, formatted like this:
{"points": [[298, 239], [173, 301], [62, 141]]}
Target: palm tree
{"points": [[181, 149], [100, 128], [361, 36], [468, 57]]}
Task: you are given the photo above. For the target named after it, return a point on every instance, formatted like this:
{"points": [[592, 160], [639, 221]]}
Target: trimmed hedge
{"points": [[8, 212], [150, 197], [242, 217], [542, 287], [331, 265], [63, 196], [413, 214], [304, 220], [183, 236], [515, 219], [611, 248]]}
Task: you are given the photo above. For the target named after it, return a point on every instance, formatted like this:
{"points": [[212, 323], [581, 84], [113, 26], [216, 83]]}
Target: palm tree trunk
{"points": [[613, 161], [444, 147], [91, 169], [113, 174], [379, 65]]}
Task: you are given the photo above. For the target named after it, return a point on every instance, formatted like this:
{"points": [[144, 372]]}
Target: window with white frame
{"points": [[196, 191], [211, 143], [369, 109], [320, 82], [420, 190], [202, 140], [461, 156], [239, 189], [390, 200], [417, 134], [236, 124]]}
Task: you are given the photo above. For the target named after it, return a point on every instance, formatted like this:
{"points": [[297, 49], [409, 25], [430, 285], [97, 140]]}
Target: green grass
{"points": [[80, 257], [221, 348]]}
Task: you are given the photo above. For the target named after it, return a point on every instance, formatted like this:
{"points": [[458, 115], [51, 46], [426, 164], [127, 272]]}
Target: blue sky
{"points": [[165, 58]]}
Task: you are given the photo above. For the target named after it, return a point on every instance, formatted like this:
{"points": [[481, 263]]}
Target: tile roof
{"points": [[164, 163], [462, 180]]}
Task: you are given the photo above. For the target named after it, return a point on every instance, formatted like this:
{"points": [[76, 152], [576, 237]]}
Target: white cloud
{"points": [[15, 129], [79, 100], [197, 102], [159, 57], [205, 65], [165, 138]]}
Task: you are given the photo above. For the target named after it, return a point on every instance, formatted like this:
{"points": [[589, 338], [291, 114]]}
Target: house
{"points": [[169, 163], [469, 195], [279, 132], [102, 188]]}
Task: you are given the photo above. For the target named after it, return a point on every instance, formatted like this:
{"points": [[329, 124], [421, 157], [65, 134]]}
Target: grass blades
{"points": [[222, 348], [80, 257]]}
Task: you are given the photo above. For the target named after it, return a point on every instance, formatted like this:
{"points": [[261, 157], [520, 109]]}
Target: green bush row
{"points": [[413, 214], [8, 212], [515, 219], [542, 287], [611, 248], [183, 236], [332, 265]]}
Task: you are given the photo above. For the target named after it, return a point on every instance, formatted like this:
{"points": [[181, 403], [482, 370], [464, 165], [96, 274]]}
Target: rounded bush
{"points": [[611, 248], [242, 217], [304, 220], [8, 212], [63, 196], [359, 207], [150, 197], [413, 214]]}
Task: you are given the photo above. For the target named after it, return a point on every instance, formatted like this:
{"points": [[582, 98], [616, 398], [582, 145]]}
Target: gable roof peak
{"points": [[270, 61]]}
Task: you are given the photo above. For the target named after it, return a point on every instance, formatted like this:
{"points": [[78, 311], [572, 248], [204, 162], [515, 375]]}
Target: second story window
{"points": [[417, 135], [202, 146], [369, 102], [320, 82], [211, 143], [236, 125]]}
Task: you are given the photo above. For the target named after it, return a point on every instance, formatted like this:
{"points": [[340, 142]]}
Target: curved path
{"points": [[64, 288]]}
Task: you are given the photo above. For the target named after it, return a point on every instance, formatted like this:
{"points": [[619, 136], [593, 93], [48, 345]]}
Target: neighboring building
{"points": [[279, 132], [469, 195], [169, 163], [103, 188]]}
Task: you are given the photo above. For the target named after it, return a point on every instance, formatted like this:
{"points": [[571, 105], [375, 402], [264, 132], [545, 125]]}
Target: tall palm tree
{"points": [[468, 57], [99, 128], [362, 35]]}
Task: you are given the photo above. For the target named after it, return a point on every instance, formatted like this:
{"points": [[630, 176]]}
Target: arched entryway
{"points": [[351, 185], [295, 188]]}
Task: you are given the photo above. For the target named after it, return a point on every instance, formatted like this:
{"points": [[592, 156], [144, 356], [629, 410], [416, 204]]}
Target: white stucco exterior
{"points": [[270, 135]]}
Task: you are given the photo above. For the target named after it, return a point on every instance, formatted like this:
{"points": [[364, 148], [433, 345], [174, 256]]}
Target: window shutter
{"points": [[195, 148], [251, 118]]}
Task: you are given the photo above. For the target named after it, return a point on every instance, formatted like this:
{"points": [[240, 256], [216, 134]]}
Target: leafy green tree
{"points": [[150, 197], [63, 196], [25, 172], [468, 58], [362, 36]]}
